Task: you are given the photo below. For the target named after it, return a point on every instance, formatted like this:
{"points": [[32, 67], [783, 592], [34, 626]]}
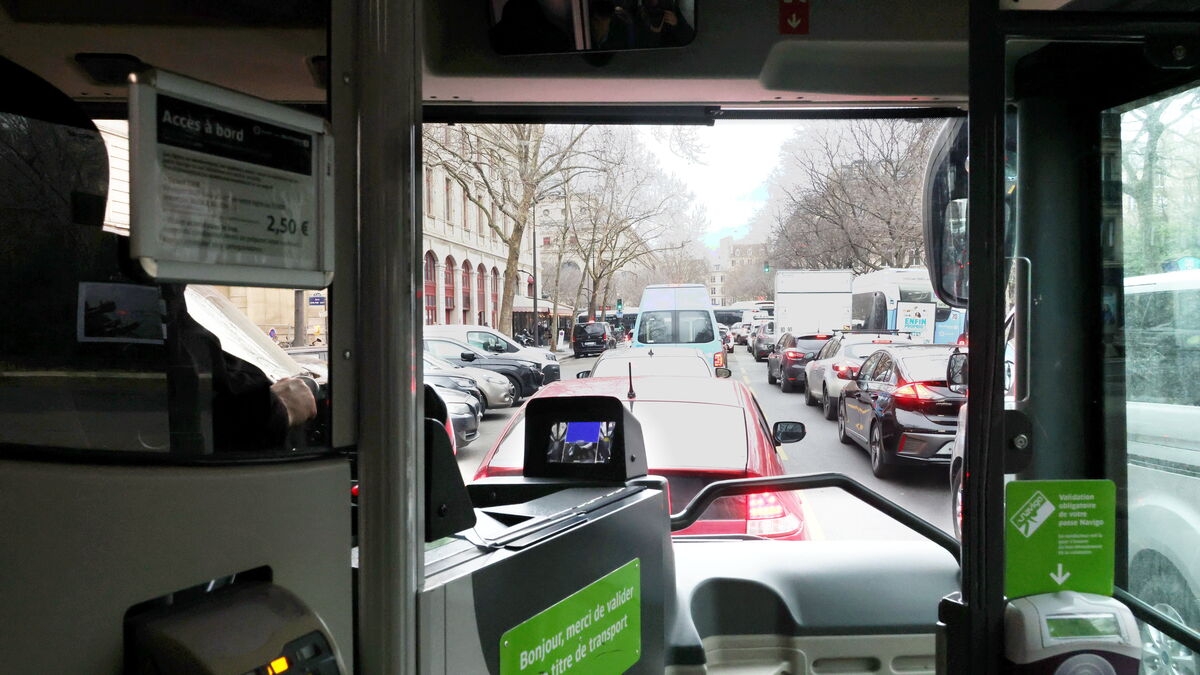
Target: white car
{"points": [[844, 352], [492, 341]]}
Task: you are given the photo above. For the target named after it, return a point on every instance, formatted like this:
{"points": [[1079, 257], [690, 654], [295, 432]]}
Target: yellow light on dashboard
{"points": [[277, 666]]}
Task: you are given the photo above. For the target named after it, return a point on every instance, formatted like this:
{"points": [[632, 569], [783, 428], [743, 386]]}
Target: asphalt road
{"points": [[832, 514]]}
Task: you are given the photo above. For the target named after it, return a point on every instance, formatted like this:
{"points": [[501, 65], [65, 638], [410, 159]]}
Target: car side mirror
{"points": [[788, 432], [772, 349], [467, 356], [724, 372], [582, 374], [956, 371]]}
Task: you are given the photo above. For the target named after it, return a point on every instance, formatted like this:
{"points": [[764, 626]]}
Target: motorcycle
{"points": [[524, 338]]}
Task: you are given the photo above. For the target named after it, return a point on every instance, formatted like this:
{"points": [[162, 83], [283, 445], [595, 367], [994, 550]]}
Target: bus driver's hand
{"points": [[297, 399]]}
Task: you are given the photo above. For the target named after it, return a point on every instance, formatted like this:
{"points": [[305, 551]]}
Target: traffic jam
{"points": [[836, 373]]}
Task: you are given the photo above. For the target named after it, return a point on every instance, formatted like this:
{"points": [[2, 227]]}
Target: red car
{"points": [[710, 430]]}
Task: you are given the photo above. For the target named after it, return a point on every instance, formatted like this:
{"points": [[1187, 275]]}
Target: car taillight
{"points": [[962, 342], [917, 391], [793, 354], [719, 359], [766, 516], [763, 506], [881, 342], [843, 368]]}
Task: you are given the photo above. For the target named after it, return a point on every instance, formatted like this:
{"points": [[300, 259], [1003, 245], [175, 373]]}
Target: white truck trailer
{"points": [[812, 301]]}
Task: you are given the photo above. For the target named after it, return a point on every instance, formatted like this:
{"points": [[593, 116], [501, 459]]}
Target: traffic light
{"points": [[766, 267], [620, 305]]}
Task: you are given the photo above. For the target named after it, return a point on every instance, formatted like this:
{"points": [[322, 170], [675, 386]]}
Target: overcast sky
{"points": [[733, 183]]}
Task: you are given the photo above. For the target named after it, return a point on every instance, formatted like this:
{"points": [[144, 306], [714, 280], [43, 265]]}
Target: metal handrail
{"points": [[1180, 632], [744, 486]]}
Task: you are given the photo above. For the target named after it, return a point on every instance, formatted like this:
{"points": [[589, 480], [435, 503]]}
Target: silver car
{"points": [[497, 390], [465, 414]]}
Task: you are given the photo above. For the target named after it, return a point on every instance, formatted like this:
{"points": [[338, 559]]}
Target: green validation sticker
{"points": [[597, 629], [1059, 536]]}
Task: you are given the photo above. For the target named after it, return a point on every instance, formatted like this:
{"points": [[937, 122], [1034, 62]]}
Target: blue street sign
{"points": [[316, 300]]}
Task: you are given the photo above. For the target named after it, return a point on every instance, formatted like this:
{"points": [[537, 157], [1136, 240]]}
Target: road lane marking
{"points": [[811, 523]]}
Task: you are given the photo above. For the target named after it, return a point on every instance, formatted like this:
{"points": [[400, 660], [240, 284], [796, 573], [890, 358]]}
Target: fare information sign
{"points": [[227, 188], [597, 629], [1059, 536]]}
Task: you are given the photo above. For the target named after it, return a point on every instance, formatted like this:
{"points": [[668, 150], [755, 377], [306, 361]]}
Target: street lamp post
{"points": [[537, 334]]}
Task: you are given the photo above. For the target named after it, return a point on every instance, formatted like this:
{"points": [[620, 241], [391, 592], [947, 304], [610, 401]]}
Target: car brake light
{"points": [[962, 342], [917, 391], [881, 342], [719, 359], [793, 354], [843, 368], [763, 506]]}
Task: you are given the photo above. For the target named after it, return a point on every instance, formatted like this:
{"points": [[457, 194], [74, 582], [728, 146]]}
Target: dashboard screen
{"points": [[580, 442]]}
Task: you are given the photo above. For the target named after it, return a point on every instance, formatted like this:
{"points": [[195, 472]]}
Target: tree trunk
{"points": [[554, 301], [510, 287], [604, 298]]}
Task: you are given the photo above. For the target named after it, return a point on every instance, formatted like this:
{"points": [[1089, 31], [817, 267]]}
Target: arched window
{"points": [[430, 288], [451, 280], [467, 273], [530, 287], [481, 294], [495, 295]]}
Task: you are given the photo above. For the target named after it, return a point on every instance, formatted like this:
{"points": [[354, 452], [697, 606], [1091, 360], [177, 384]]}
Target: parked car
{"points": [[464, 412], [680, 361], [900, 408], [525, 376], [789, 355], [764, 337], [497, 390], [592, 337], [844, 352], [497, 344], [710, 430]]}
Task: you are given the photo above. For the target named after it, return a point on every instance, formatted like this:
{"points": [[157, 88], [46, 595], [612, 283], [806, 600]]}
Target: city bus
{"points": [[875, 305], [168, 509]]}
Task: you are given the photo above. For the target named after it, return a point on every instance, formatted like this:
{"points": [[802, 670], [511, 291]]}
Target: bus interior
{"points": [[154, 523]]}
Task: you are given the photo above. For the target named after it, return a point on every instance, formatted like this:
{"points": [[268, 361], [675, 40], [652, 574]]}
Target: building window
{"points": [[430, 288], [466, 290], [465, 213], [530, 287], [451, 279], [545, 241], [446, 203], [429, 192]]}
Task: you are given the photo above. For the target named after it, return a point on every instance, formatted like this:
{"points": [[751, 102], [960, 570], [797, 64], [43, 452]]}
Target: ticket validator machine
{"points": [[568, 565]]}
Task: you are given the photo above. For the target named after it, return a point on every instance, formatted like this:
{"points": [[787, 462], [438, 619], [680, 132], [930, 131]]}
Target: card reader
{"points": [[1069, 633]]}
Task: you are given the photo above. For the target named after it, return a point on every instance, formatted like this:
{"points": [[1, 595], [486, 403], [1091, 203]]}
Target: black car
{"points": [[788, 356], [900, 409], [526, 376], [592, 338]]}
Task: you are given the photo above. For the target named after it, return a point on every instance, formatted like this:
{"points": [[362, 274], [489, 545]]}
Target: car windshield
{"points": [[665, 365], [927, 367], [676, 327]]}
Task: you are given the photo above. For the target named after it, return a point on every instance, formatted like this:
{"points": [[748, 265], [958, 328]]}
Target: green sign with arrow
{"points": [[1059, 536]]}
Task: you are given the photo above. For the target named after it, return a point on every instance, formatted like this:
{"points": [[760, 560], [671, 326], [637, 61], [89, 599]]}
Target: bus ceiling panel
{"points": [[271, 63], [739, 56], [231, 13]]}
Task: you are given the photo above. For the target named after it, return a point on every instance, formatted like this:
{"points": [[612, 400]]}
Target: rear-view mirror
{"points": [[565, 26], [788, 432], [956, 371], [724, 372], [582, 374], [467, 356]]}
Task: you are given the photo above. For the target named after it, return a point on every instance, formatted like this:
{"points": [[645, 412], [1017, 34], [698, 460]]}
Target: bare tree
{"points": [[857, 203], [505, 170], [747, 282]]}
